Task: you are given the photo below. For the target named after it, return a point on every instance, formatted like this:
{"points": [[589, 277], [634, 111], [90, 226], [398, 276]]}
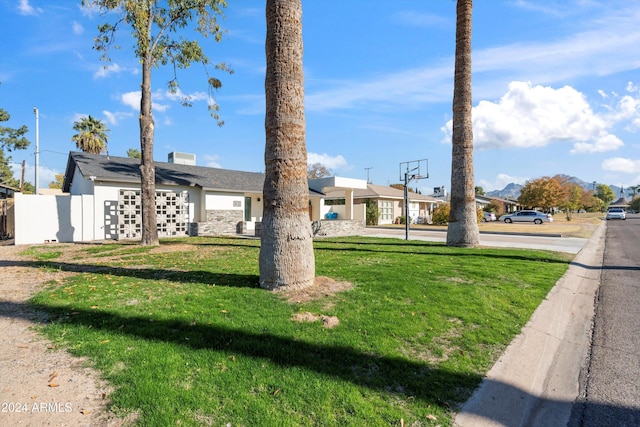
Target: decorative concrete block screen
{"points": [[172, 210]]}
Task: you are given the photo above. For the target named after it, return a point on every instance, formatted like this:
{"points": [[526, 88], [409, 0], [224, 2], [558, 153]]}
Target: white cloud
{"points": [[24, 8], [179, 96], [330, 162], [77, 117], [114, 118], [77, 28], [132, 99], [536, 116], [620, 164], [501, 181], [45, 175], [108, 70], [212, 161]]}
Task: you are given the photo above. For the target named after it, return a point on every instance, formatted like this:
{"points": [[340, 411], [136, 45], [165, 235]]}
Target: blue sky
{"points": [[555, 88]]}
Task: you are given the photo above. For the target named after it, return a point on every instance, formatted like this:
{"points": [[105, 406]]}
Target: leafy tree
{"points": [[286, 251], [6, 174], [479, 191], [544, 193], [372, 214], [134, 153], [591, 203], [635, 204], [317, 170], [496, 206], [401, 187], [154, 26], [10, 139], [573, 200], [59, 178], [605, 193], [463, 228], [92, 135]]}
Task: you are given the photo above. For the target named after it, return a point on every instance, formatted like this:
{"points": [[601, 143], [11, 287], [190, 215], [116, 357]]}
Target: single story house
{"points": [[102, 201], [509, 205], [390, 203]]}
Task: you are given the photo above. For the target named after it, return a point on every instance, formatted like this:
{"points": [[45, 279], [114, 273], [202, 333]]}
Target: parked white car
{"points": [[616, 213], [527, 216], [489, 216]]}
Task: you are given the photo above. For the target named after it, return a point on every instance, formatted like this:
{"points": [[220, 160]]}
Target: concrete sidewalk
{"points": [[536, 381]]}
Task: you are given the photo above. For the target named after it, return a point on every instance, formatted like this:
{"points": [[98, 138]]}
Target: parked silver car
{"points": [[616, 213], [536, 217]]}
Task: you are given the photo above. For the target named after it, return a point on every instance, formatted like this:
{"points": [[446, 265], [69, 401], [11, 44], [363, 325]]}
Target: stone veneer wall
{"points": [[219, 222], [337, 227]]}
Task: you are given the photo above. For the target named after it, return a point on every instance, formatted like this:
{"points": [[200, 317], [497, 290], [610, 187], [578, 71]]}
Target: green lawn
{"points": [[186, 337]]}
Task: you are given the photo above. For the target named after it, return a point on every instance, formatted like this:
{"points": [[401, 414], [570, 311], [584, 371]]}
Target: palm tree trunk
{"points": [[463, 222], [147, 166], [286, 251]]}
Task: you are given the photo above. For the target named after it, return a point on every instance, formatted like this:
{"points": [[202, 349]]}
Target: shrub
{"points": [[441, 214], [372, 212]]}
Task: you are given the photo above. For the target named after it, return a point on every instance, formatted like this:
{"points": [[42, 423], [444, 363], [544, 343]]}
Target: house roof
{"points": [[383, 192], [7, 191], [488, 199], [125, 169], [622, 201]]}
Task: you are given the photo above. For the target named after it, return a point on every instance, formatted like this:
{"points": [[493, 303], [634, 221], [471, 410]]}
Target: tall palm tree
{"points": [[286, 251], [633, 190], [463, 223], [92, 135]]}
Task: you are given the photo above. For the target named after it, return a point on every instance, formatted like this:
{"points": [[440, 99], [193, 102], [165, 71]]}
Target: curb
{"points": [[536, 381]]}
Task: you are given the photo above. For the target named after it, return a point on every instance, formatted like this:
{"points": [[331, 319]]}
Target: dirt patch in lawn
{"points": [[322, 287]]}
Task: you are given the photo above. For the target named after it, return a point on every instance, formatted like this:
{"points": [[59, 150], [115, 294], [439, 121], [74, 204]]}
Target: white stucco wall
{"points": [[79, 185], [49, 218], [224, 201]]}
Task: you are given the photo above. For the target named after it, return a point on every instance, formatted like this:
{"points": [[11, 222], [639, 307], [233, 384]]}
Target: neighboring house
{"points": [[102, 202], [390, 202], [509, 205], [622, 201]]}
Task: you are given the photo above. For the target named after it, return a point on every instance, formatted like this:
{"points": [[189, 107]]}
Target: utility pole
{"points": [[35, 111], [368, 179], [22, 177]]}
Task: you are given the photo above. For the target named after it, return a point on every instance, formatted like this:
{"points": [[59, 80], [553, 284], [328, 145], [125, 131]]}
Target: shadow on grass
{"points": [[188, 276], [435, 250], [405, 378]]}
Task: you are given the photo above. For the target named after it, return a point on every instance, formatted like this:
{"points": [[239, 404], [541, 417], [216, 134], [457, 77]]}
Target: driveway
{"points": [[571, 245]]}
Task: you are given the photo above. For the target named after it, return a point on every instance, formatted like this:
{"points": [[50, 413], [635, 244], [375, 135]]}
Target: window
{"points": [[247, 208], [386, 210]]}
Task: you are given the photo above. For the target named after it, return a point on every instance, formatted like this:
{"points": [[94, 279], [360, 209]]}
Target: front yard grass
{"points": [[186, 337]]}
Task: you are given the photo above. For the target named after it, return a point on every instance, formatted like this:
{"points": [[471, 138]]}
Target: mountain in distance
{"points": [[512, 190]]}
